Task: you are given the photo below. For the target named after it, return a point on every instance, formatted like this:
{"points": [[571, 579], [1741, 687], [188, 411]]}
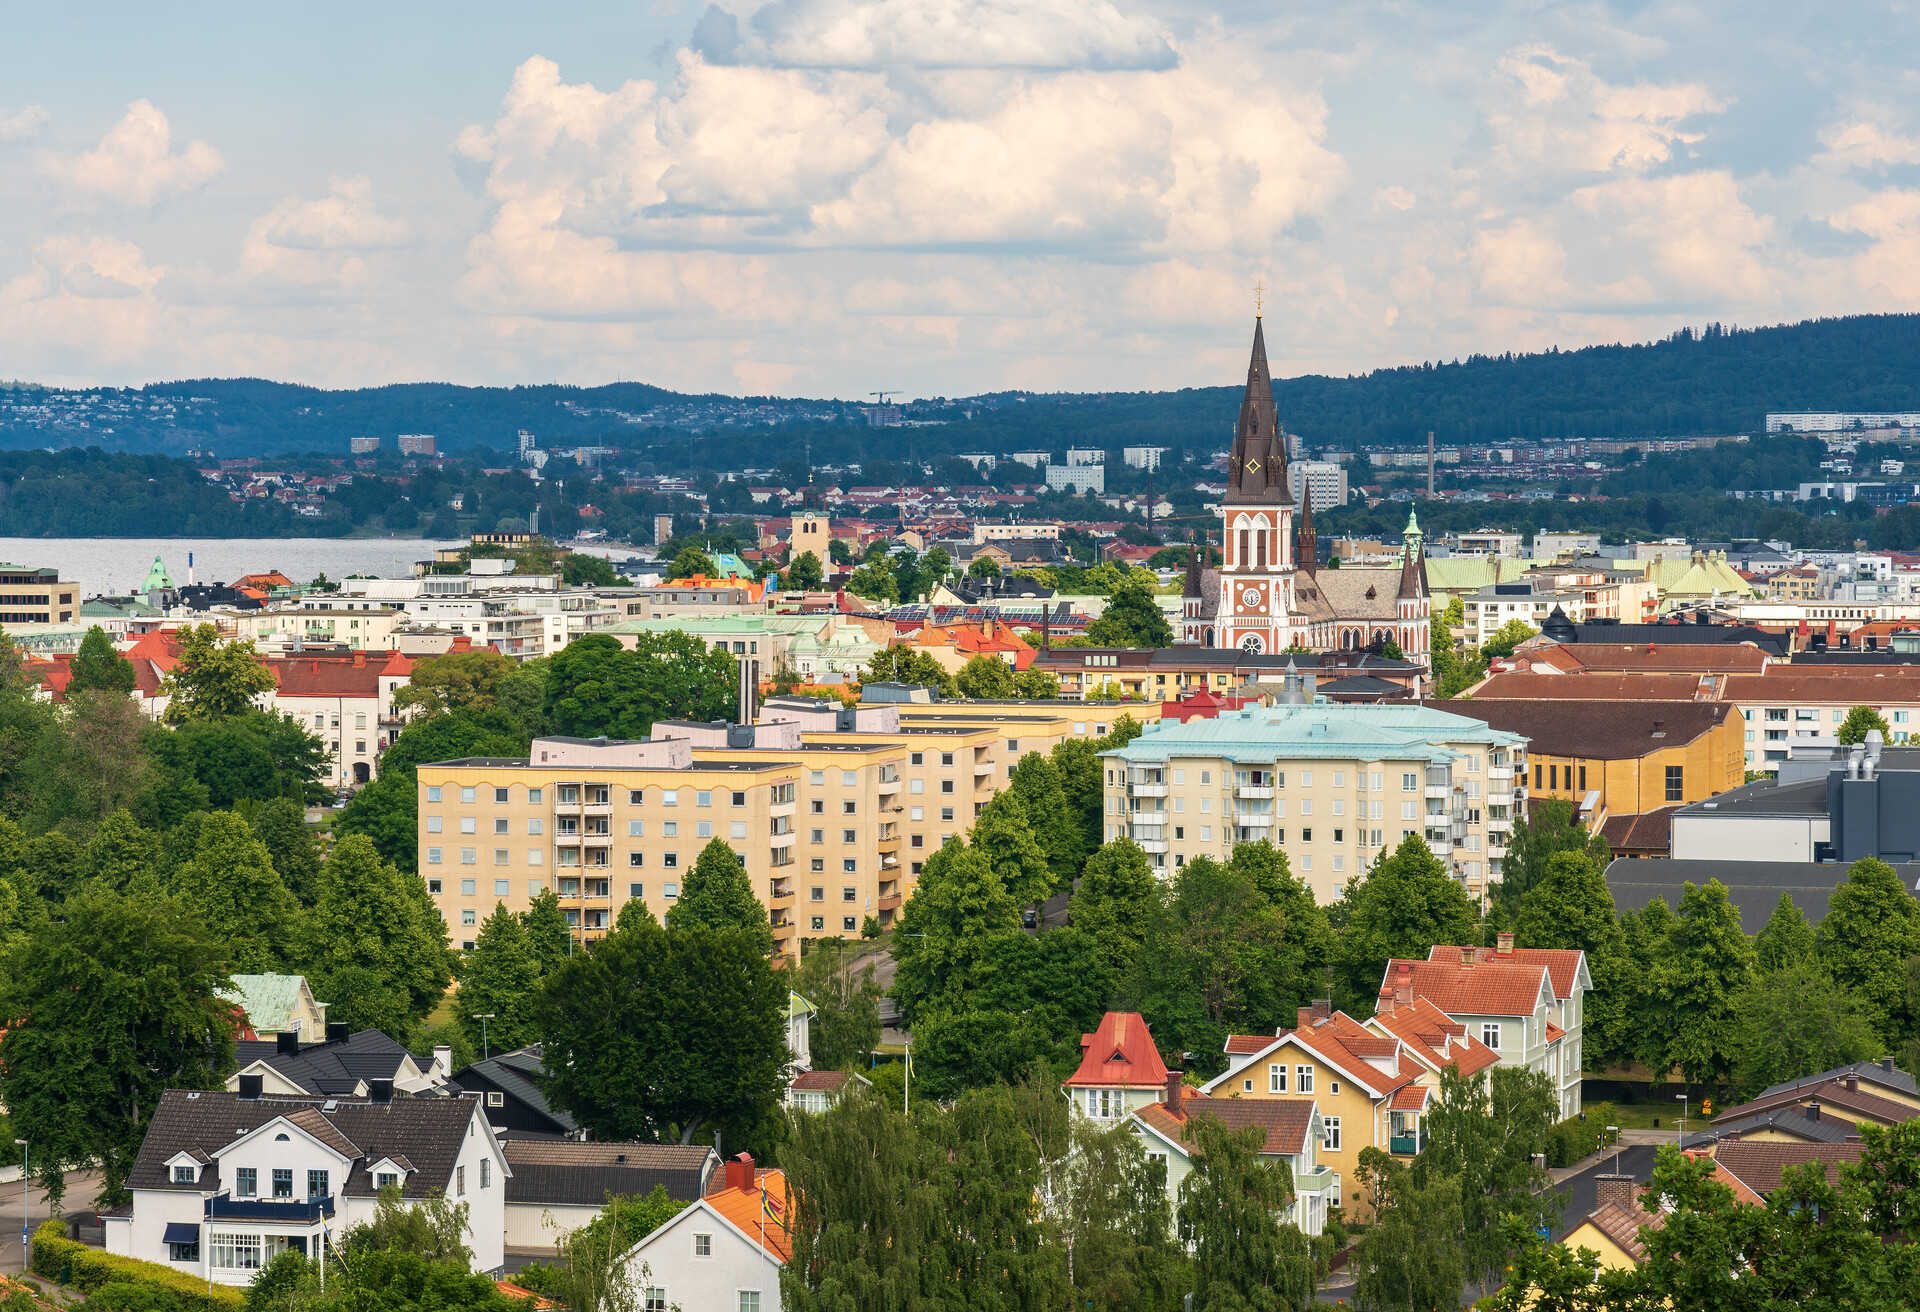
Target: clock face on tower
{"points": [[1250, 597]]}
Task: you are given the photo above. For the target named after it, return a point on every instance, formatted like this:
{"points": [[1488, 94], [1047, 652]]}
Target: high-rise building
{"points": [[417, 444], [1143, 457], [1326, 480], [1079, 478], [36, 596], [527, 443], [363, 446]]}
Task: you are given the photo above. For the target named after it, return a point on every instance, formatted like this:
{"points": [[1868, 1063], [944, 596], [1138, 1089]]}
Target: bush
{"points": [[1573, 1140], [87, 1269]]}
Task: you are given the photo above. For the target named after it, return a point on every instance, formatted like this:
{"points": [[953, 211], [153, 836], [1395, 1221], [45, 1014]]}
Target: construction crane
{"points": [[880, 398]]}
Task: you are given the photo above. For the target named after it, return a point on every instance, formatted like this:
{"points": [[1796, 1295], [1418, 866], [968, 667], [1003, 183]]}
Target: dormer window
{"points": [[386, 1180], [185, 1174]]}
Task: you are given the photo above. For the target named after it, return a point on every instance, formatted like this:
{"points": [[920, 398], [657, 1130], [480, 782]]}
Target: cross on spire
{"points": [[1259, 298]]}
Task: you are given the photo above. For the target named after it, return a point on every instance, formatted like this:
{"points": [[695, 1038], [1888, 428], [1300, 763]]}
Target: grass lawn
{"points": [[1640, 1115], [445, 1012]]}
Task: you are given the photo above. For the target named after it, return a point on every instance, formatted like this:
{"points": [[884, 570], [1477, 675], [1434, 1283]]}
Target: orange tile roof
{"points": [[1286, 1121], [1554, 1032], [1898, 683], [1623, 1226], [1590, 687], [1435, 1038], [1563, 964], [1412, 1098], [1492, 989], [1120, 1054], [763, 1213], [1652, 657], [1248, 1044]]}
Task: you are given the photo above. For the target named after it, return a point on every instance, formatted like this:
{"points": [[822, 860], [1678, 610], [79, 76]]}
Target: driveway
{"points": [[82, 1188]]}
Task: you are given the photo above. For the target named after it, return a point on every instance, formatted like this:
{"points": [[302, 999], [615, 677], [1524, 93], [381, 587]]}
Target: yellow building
{"points": [[1612, 1230], [36, 596]]}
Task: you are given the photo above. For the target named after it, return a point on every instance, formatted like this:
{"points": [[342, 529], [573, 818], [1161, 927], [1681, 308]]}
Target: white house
{"points": [[724, 1253], [226, 1182], [559, 1185], [1293, 1129]]}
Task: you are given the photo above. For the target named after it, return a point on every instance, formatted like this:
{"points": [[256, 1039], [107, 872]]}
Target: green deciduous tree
{"points": [[692, 563], [983, 567], [1004, 835], [805, 573], [946, 929], [1412, 1257], [899, 664], [1036, 685], [282, 825], [985, 677], [1860, 720], [657, 1033], [578, 569], [501, 976], [1485, 1131], [595, 686], [375, 929], [1871, 928], [716, 893], [875, 581], [212, 679], [845, 1026], [1573, 908], [1116, 1225], [1132, 618], [1118, 903], [1407, 903], [1794, 1021], [1508, 636], [473, 680], [1705, 963], [1786, 939], [548, 937], [1548, 827], [108, 1005], [122, 852], [1244, 1256], [1036, 782], [228, 881], [99, 667]]}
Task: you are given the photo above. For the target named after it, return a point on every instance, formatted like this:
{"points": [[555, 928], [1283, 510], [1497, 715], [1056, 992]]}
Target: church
{"points": [[1270, 594]]}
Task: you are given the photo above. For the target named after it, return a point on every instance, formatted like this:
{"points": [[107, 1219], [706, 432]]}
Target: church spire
{"points": [[1306, 549], [1257, 472], [1193, 567], [1413, 561]]}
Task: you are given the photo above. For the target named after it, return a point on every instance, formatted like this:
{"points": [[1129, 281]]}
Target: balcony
{"points": [[1320, 1179], [889, 861], [1146, 790], [1254, 820], [1503, 798], [891, 903], [1493, 825], [887, 786], [1439, 792], [779, 890], [781, 920], [787, 809], [307, 1211], [1150, 844], [1499, 772], [1252, 793], [983, 766], [1407, 1145]]}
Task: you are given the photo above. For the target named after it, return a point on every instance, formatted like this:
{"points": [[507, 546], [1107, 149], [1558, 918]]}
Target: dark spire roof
{"points": [[1412, 574], [1559, 627], [1306, 549], [1257, 473], [1193, 567]]}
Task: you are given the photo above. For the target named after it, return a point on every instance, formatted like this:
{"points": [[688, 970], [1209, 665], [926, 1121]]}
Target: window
{"points": [[656, 1300], [670, 829], [946, 813], [466, 795], [916, 758], [703, 1245], [702, 797], [386, 1180], [1303, 1079], [849, 808], [1333, 1087], [849, 835], [468, 888], [849, 778], [1330, 1138], [738, 829], [460, 1180], [818, 922], [749, 1300], [183, 1175], [469, 856], [534, 795], [636, 796], [946, 785], [739, 799], [236, 1252], [669, 797], [1277, 1078], [704, 829], [469, 917], [946, 758], [816, 894], [849, 923], [818, 806], [816, 777], [189, 1252], [849, 865], [434, 824], [246, 1182], [283, 1182], [1676, 784], [486, 1173], [1490, 1035], [499, 794], [534, 826], [1538, 771], [317, 1184]]}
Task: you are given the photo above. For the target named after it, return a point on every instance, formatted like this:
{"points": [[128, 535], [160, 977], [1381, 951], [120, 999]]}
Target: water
{"points": [[116, 566]]}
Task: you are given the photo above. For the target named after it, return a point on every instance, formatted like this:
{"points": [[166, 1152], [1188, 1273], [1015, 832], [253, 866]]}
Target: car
{"points": [[1028, 919]]}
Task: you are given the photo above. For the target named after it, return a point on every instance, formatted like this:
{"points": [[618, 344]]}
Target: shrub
{"points": [[87, 1269], [1574, 1139]]}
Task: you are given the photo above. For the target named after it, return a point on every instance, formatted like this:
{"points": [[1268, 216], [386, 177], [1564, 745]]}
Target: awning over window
{"points": [[180, 1232]]}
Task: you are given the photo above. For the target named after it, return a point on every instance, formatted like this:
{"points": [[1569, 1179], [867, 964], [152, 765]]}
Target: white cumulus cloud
{"points": [[937, 34], [1544, 108], [343, 220], [134, 165], [20, 124]]}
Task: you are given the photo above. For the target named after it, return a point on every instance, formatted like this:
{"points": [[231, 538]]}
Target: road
{"points": [[82, 1188], [1580, 1189]]}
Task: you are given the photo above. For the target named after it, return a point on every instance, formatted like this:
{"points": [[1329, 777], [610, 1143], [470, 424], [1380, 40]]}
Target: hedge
{"points": [[1573, 1140], [60, 1259]]}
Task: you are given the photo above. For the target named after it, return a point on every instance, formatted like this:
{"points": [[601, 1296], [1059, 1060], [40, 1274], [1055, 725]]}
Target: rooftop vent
{"points": [[250, 1087]]}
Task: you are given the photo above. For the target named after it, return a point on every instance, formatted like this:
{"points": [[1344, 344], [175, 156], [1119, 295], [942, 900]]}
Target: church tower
{"points": [[1256, 609]]}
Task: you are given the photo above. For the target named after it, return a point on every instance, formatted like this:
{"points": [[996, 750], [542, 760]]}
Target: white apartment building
{"points": [[1077, 478], [1334, 786], [1326, 480], [1144, 457]]}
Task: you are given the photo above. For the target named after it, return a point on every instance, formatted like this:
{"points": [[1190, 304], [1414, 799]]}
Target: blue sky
{"points": [[822, 197]]}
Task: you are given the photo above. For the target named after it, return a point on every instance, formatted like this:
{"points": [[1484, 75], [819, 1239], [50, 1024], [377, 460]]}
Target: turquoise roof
{"points": [[268, 1000], [157, 577], [1327, 730]]}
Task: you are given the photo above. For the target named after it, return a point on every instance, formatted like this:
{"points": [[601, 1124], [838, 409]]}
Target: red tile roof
{"points": [[1591, 687], [1834, 1093], [1647, 658], [1894, 685], [1248, 1044], [808, 1081], [1430, 1035], [1563, 964], [1758, 1164], [1286, 1121], [1412, 1098], [336, 676], [1120, 1054], [1622, 1226], [1493, 989]]}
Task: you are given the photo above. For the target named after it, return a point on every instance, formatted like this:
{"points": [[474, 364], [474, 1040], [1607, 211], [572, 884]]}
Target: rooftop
{"points": [[1602, 731], [1754, 887], [1336, 730]]}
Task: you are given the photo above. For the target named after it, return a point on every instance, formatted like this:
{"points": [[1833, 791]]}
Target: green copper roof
{"points": [[268, 1000], [1327, 730], [157, 577]]}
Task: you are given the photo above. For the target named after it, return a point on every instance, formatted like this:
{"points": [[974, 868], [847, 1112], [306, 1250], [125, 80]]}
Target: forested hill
{"points": [[1696, 382]]}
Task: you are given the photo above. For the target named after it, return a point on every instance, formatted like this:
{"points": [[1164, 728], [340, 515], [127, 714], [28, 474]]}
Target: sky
{"points": [[940, 197]]}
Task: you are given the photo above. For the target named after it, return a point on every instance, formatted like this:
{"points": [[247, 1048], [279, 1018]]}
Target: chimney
{"points": [[1853, 1082], [287, 1043], [1505, 940], [1813, 1111], [337, 1032], [1886, 1064], [359, 660], [1615, 1189], [379, 1091], [1389, 1001], [1176, 1106], [1320, 1012], [740, 1173], [250, 1087], [443, 1060]]}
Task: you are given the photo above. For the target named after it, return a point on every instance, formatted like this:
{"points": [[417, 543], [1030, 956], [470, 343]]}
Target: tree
{"points": [[1077, 763], [1573, 908], [88, 763], [1704, 965], [595, 686], [473, 680], [108, 1006], [1132, 619], [1037, 684], [1244, 1256], [656, 1033], [804, 573], [946, 929], [1407, 903], [985, 677], [845, 1026], [120, 853], [1859, 720], [717, 894], [1411, 1257], [371, 919], [983, 567], [211, 679], [1786, 939], [1117, 902], [249, 755], [99, 667], [548, 938], [1036, 783], [281, 825], [1004, 835], [1794, 1021], [1485, 1133], [1115, 1223], [875, 581], [1549, 826], [1872, 927], [228, 882], [501, 976], [692, 563], [578, 569], [1507, 637], [899, 664]]}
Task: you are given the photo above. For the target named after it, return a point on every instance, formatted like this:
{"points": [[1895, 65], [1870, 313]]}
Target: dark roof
{"points": [[1651, 831], [427, 1130], [1361, 685], [1869, 1072], [1758, 1164], [1831, 1093], [810, 1081], [565, 1173], [1764, 797], [1774, 644], [1754, 887], [516, 1074], [1846, 656], [328, 1068], [1597, 731], [1786, 1120]]}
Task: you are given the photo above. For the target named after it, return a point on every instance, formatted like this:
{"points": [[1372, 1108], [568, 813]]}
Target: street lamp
{"points": [[483, 1017], [24, 1185], [1614, 1130], [1682, 1098]]}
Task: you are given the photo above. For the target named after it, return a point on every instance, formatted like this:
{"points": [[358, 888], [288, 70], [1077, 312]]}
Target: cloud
{"points": [[1543, 108], [1866, 144], [23, 123], [133, 166], [342, 220], [936, 34]]}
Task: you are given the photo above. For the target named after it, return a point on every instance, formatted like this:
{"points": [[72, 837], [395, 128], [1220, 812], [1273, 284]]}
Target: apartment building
{"points": [[1799, 702], [361, 626], [36, 596], [1336, 786], [347, 703]]}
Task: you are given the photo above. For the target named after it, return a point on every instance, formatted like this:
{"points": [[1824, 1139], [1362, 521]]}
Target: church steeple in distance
{"points": [[1257, 474], [1306, 551]]}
